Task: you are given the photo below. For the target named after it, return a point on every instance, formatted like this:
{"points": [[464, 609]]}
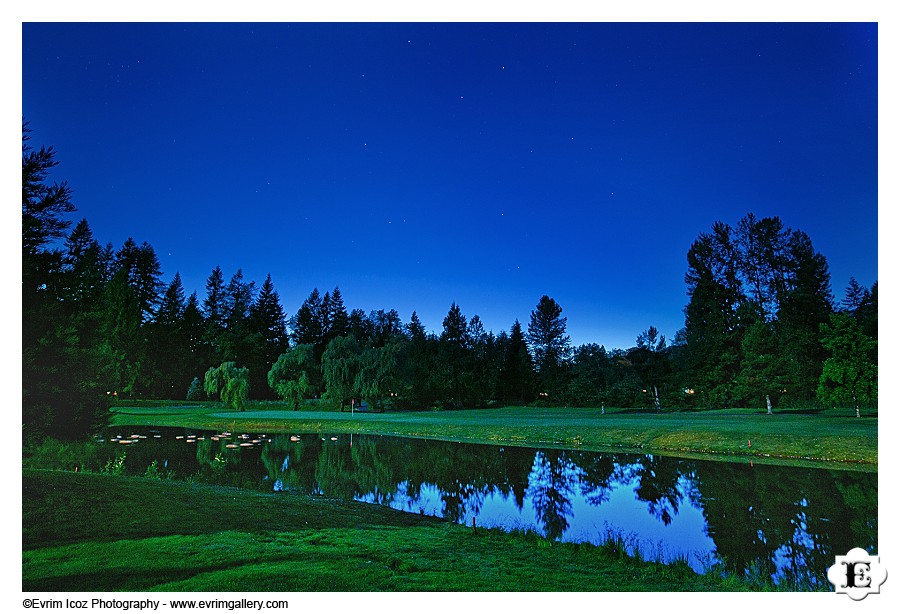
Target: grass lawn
{"points": [[829, 438], [89, 532]]}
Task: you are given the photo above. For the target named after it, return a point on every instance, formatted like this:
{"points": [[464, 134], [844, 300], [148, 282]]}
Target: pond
{"points": [[784, 522]]}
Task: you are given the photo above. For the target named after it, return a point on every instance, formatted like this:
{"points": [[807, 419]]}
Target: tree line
{"points": [[99, 323]]}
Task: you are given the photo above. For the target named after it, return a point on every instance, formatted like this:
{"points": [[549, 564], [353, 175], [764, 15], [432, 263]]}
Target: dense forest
{"points": [[100, 324]]}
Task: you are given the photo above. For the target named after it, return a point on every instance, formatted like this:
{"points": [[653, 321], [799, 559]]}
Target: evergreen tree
{"points": [[122, 337], [517, 380], [215, 312], [43, 207], [483, 371], [415, 329], [420, 393], [198, 352], [713, 328], [868, 314], [63, 369], [854, 297], [268, 332], [549, 345], [171, 306], [336, 316], [359, 326], [214, 307], [308, 324], [167, 347], [454, 368], [142, 273], [82, 269], [804, 304], [237, 342]]}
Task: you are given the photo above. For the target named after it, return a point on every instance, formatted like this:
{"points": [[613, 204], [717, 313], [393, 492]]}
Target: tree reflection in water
{"points": [[784, 522]]}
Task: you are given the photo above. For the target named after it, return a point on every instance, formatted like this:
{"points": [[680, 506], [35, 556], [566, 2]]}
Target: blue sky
{"points": [[415, 165]]}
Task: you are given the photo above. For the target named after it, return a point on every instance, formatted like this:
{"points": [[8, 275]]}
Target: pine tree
{"points": [[199, 355], [336, 317], [82, 270], [307, 324], [63, 367], [214, 312], [713, 317], [142, 272], [214, 308], [517, 378], [171, 307], [43, 207], [236, 344], [415, 329], [549, 345], [454, 368], [166, 370], [804, 304], [854, 297], [268, 330]]}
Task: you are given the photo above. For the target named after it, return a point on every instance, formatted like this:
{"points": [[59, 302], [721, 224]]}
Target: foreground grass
{"points": [[829, 439], [84, 532]]}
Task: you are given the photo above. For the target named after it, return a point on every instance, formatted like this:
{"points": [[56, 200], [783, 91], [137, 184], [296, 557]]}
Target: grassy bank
{"points": [[106, 533], [828, 438]]}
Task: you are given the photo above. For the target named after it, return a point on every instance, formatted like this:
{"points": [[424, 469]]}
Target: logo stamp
{"points": [[858, 574]]}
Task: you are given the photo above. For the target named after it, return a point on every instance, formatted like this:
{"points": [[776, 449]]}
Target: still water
{"points": [[784, 522]]}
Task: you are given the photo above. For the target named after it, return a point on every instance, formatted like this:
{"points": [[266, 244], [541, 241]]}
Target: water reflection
{"points": [[783, 522]]}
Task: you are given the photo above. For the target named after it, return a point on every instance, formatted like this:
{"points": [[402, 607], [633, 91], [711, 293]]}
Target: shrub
{"points": [[195, 391]]}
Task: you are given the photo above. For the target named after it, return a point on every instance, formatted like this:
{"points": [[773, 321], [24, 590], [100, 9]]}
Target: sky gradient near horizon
{"points": [[414, 165]]}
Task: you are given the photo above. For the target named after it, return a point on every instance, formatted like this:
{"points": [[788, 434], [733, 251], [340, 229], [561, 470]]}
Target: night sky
{"points": [[415, 165]]}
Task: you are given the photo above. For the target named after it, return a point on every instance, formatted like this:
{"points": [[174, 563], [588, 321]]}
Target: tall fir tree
{"points": [[167, 347], [215, 312], [269, 332], [63, 368], [713, 317], [237, 343], [307, 325], [454, 368], [805, 303], [517, 379], [336, 316], [550, 347], [143, 274]]}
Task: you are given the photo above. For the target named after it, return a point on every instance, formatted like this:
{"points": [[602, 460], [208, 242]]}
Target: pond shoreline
{"points": [[78, 526], [825, 440]]}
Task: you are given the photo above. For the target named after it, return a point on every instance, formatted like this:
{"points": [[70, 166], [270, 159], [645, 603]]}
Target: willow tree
{"points": [[290, 377], [230, 383], [340, 367]]}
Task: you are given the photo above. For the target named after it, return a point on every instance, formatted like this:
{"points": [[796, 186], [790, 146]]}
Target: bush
{"points": [[53, 454]]}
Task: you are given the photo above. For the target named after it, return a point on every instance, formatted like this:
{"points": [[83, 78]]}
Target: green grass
{"points": [[827, 439], [105, 533]]}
